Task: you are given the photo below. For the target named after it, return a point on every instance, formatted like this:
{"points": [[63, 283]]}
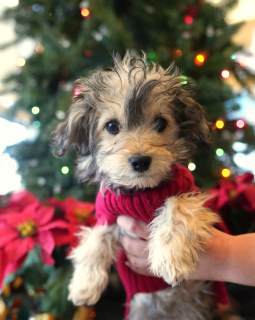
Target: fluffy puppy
{"points": [[132, 125]]}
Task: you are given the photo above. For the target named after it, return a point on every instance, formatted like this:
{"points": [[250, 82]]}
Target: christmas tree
{"points": [[71, 38]]}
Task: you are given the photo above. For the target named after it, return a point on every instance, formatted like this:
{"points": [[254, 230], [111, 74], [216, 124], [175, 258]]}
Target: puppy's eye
{"points": [[160, 124], [113, 127]]}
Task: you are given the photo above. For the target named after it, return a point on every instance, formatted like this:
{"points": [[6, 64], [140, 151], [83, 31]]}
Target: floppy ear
{"points": [[190, 117], [76, 132]]}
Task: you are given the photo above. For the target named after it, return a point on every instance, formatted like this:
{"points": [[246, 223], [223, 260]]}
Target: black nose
{"points": [[140, 163]]}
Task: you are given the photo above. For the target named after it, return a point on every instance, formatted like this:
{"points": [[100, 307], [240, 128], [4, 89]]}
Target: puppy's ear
{"points": [[190, 117], [76, 132]]}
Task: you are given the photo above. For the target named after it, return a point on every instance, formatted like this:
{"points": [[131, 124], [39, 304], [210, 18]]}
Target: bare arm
{"points": [[226, 258]]}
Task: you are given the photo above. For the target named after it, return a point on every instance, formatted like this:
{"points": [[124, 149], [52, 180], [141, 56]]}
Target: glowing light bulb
{"points": [[219, 124], [192, 166], [220, 152], [85, 12], [188, 19], [65, 170], [20, 62], [240, 124], [226, 172], [200, 59], [225, 74], [35, 110]]}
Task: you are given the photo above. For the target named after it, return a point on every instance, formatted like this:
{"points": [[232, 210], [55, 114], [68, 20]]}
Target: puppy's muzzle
{"points": [[140, 163]]}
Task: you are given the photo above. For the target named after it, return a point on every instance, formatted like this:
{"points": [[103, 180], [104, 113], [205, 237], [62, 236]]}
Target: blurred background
{"points": [[44, 46]]}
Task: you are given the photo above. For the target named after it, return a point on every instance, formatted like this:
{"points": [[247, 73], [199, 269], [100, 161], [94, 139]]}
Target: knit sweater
{"points": [[142, 205]]}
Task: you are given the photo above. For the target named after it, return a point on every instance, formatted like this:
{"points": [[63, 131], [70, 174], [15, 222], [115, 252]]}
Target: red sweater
{"points": [[142, 205]]}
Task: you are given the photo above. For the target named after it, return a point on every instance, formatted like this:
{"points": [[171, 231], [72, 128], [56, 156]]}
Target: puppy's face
{"points": [[130, 124]]}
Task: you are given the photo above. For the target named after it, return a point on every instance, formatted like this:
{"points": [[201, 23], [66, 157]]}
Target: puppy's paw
{"points": [[86, 288], [178, 234]]}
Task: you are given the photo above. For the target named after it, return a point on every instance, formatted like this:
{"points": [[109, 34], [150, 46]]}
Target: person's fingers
{"points": [[135, 246], [133, 226], [138, 265]]}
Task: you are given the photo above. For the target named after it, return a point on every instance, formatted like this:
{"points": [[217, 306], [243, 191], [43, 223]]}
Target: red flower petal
{"points": [[7, 234], [18, 249], [47, 243]]}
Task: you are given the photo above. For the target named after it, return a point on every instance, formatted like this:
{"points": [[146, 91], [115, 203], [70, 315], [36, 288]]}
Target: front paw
{"points": [[178, 235], [86, 288]]}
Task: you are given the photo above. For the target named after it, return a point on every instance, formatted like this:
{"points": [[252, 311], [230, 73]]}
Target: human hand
{"points": [[135, 245], [211, 261]]}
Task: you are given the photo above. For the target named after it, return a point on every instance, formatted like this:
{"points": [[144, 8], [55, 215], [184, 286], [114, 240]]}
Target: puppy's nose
{"points": [[140, 163]]}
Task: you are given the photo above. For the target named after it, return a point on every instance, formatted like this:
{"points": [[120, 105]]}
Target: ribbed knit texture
{"points": [[142, 205]]}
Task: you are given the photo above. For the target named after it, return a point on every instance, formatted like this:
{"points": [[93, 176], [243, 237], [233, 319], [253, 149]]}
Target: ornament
{"points": [[200, 59], [3, 310], [225, 74], [220, 124], [42, 316], [84, 313]]}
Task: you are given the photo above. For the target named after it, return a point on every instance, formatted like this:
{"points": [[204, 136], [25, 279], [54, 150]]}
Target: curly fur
{"points": [[135, 93]]}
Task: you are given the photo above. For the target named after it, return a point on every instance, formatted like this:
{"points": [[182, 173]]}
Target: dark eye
{"points": [[113, 127], [160, 124]]}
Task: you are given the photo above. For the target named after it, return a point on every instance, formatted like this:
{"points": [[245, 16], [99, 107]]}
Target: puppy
{"points": [[132, 126]]}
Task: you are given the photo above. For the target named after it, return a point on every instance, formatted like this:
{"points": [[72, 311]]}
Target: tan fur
{"points": [[135, 93], [178, 233], [92, 260]]}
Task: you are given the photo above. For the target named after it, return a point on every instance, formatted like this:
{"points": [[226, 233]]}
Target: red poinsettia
{"points": [[239, 192], [23, 228], [77, 213]]}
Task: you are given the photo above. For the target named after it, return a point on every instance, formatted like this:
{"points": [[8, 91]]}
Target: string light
{"points": [[35, 110], [192, 166], [225, 74], [220, 152], [184, 80], [65, 170], [85, 13], [188, 19], [240, 124], [39, 48], [152, 56], [178, 52], [219, 124], [226, 172], [76, 91], [200, 59], [20, 62]]}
